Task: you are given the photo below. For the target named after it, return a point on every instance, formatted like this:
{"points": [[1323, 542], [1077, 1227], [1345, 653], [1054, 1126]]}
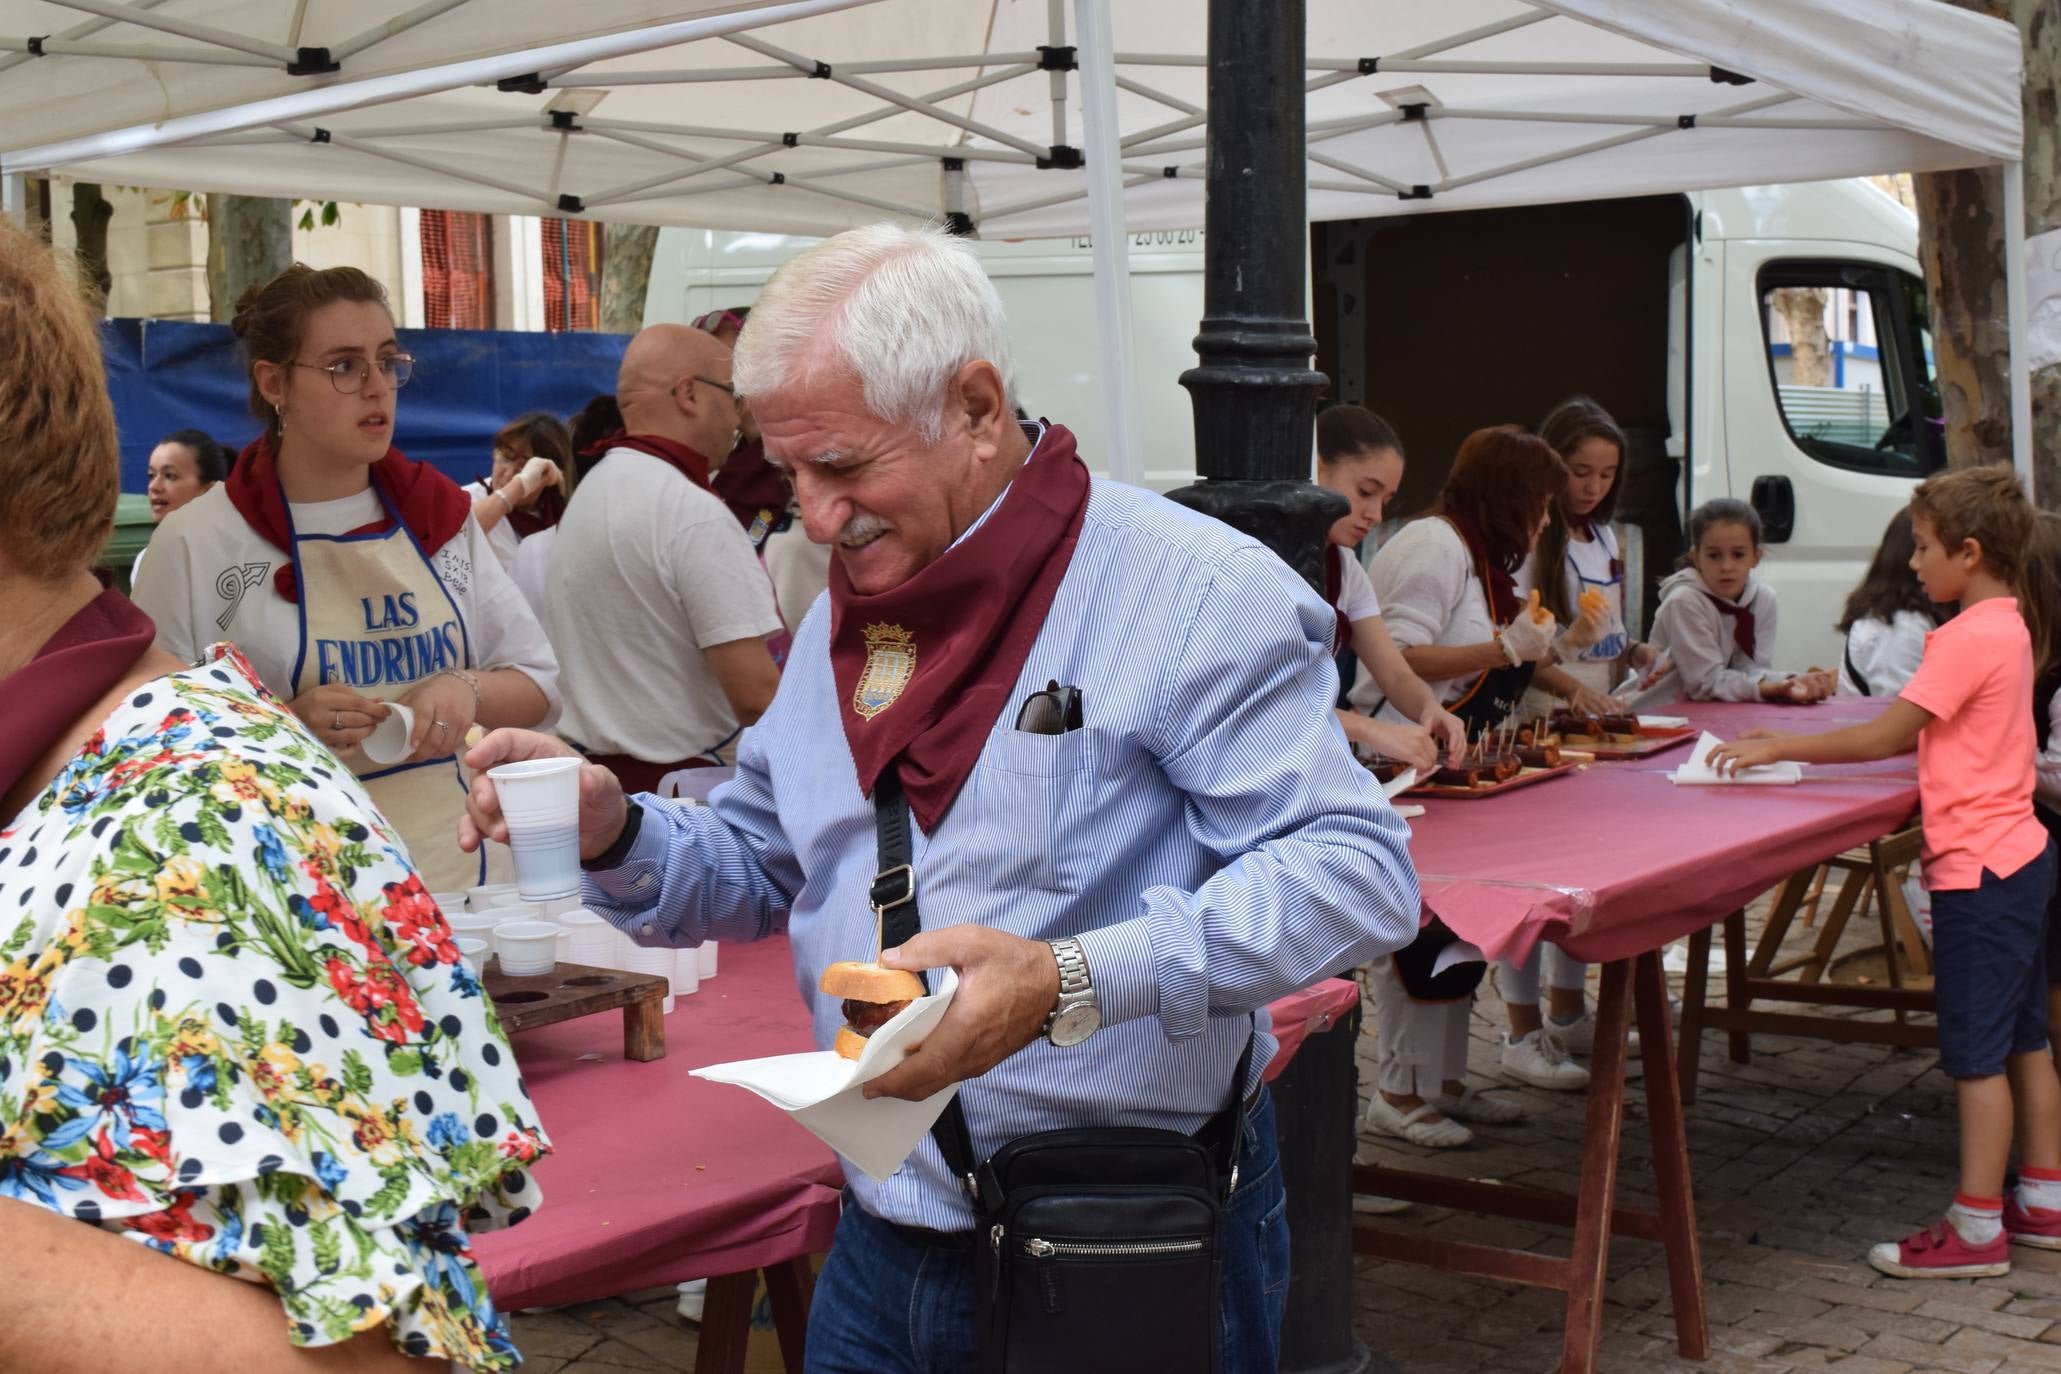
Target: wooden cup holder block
{"points": [[570, 990]]}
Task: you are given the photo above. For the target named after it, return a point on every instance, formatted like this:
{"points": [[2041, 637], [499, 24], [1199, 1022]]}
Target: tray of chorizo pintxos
{"points": [[1606, 737], [1492, 765]]}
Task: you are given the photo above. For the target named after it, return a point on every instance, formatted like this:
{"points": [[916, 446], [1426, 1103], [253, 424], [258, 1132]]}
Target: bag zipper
{"points": [[1038, 1248]]}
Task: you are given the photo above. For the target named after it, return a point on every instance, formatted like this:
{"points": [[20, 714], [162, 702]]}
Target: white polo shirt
{"points": [[647, 571]]}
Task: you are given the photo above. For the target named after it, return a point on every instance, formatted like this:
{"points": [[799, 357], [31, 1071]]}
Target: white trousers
{"points": [[1420, 1046], [1519, 983]]}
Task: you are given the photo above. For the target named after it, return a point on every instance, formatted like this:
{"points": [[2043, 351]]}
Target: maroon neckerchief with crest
{"points": [[924, 670]]}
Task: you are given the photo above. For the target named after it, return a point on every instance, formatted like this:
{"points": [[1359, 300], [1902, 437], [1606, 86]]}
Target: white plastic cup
{"points": [[540, 799], [388, 742], [565, 946], [474, 951], [477, 924], [592, 938], [686, 972], [706, 960], [514, 902], [526, 948], [451, 902], [656, 960], [482, 897], [559, 906]]}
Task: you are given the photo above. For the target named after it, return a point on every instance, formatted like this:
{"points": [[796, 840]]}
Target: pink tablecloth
{"points": [[658, 1177], [1617, 860]]}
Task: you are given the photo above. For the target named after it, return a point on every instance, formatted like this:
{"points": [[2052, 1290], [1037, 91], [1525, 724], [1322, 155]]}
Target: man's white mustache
{"points": [[863, 528]]}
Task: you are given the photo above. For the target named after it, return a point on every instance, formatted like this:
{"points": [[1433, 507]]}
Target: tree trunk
{"points": [[1961, 237], [626, 275], [90, 214], [1810, 351], [2039, 26], [1961, 243], [250, 241]]}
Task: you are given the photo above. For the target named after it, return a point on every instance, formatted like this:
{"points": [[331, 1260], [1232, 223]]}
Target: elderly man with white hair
{"points": [[1123, 870]]}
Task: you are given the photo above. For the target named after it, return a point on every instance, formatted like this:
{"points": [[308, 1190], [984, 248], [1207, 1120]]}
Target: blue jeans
{"points": [[887, 1303]]}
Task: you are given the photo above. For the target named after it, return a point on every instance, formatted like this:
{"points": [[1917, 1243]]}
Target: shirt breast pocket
{"points": [[1024, 786]]}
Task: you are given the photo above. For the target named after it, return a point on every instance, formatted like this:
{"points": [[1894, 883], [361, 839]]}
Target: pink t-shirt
{"points": [[1975, 759]]}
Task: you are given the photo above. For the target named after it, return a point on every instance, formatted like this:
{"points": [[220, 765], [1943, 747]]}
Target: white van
{"points": [[1659, 307]]}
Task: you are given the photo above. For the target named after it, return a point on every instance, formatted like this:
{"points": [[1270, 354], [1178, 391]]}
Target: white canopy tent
{"points": [[793, 118]]}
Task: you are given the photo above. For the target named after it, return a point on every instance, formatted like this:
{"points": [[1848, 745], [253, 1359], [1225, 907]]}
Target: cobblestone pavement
{"points": [[1802, 1159]]}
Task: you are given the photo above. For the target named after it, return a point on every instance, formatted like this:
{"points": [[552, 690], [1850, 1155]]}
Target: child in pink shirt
{"points": [[1987, 862]]}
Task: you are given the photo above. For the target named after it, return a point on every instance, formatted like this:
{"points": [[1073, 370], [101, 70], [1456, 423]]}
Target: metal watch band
{"points": [[1073, 966]]}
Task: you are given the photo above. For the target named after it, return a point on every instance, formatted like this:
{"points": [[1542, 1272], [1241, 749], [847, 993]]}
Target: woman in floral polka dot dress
{"points": [[234, 1028]]}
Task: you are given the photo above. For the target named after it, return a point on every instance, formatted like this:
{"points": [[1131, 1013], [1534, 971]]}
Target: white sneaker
{"points": [[1543, 1062], [693, 1294], [1367, 1205], [1579, 1035]]}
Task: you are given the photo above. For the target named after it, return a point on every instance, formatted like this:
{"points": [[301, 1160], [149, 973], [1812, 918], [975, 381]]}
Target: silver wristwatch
{"points": [[1076, 1016]]}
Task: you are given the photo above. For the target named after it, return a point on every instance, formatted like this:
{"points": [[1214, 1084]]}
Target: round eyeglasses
{"points": [[348, 374]]}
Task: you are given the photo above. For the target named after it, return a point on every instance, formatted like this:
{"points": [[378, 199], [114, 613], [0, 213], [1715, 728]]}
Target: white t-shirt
{"points": [[532, 567], [502, 538], [1887, 653], [2046, 787], [799, 568], [1356, 598], [211, 579], [648, 570], [1429, 594]]}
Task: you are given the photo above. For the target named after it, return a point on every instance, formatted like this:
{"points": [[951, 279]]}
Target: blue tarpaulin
{"points": [[166, 375]]}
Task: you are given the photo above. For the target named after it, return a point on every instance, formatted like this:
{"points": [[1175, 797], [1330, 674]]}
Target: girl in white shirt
{"points": [[1450, 597], [350, 576], [1886, 620], [1716, 621], [1360, 458], [525, 493]]}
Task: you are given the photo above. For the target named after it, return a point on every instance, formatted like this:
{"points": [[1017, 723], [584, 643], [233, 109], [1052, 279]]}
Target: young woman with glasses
{"points": [[351, 577]]}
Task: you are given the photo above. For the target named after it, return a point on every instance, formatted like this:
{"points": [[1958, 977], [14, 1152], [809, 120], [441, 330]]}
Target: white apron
{"points": [[375, 617]]}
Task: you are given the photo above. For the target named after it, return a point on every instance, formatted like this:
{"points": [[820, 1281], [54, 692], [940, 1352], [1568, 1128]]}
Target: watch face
{"points": [[1075, 1024]]}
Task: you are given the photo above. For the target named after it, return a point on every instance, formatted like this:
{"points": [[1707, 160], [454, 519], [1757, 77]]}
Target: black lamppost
{"points": [[1255, 398]]}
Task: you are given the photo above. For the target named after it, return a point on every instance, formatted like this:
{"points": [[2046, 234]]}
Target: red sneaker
{"points": [[1939, 1252], [2035, 1226]]}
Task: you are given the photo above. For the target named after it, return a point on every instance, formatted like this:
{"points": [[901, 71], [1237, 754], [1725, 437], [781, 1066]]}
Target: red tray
{"points": [[1523, 779], [1650, 741]]}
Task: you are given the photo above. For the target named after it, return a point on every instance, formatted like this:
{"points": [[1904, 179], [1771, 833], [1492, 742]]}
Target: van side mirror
{"points": [[1774, 501]]}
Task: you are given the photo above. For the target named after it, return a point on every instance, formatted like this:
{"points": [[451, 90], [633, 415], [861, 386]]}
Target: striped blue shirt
{"points": [[1206, 835]]}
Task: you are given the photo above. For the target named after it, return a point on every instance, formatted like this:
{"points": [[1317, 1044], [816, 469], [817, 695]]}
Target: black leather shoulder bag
{"points": [[1100, 1248]]}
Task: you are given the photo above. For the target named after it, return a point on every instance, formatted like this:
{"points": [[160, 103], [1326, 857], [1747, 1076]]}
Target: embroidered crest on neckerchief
{"points": [[890, 663]]}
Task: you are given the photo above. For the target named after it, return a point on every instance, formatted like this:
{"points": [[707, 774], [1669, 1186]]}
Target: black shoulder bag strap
{"points": [[894, 897]]}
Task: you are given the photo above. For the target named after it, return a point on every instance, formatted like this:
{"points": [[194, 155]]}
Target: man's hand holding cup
{"points": [[603, 809]]}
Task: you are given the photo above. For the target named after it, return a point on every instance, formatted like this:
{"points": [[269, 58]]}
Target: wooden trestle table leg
{"points": [[1602, 1133], [1671, 1160]]}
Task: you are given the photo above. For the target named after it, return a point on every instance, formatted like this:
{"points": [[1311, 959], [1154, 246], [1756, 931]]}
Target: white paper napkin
{"points": [[1698, 772], [1663, 722], [1399, 784], [823, 1092]]}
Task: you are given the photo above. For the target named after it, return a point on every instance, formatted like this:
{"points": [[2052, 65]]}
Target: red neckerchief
{"points": [[682, 459], [749, 485], [431, 505], [1334, 587], [1741, 618], [74, 668], [967, 621], [1496, 582]]}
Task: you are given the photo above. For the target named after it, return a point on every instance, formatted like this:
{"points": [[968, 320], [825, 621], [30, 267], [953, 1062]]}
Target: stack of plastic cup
{"points": [[474, 951], [592, 939], [686, 972], [706, 963], [540, 799], [477, 924], [526, 948], [558, 906], [656, 960], [448, 902], [481, 897]]}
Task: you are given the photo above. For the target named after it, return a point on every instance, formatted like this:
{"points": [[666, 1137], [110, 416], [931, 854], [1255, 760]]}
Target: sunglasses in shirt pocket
{"points": [[1021, 789]]}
